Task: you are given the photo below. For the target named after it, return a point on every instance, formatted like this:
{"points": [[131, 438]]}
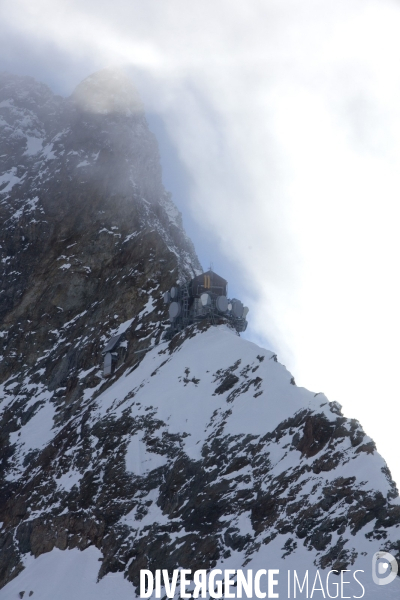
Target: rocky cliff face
{"points": [[200, 452], [88, 229]]}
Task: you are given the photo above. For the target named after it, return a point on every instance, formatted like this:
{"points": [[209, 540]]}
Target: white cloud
{"points": [[286, 114]]}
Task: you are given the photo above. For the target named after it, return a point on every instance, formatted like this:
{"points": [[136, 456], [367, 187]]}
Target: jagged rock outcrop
{"points": [[201, 452], [89, 233]]}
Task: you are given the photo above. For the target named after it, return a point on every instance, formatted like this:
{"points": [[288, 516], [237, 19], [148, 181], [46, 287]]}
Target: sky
{"points": [[279, 131]]}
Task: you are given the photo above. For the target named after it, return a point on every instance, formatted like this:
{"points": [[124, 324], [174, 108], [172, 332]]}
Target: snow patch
{"points": [[123, 327], [48, 153], [149, 307], [11, 179], [33, 145], [83, 374], [68, 575], [139, 460], [37, 432], [69, 479], [130, 236]]}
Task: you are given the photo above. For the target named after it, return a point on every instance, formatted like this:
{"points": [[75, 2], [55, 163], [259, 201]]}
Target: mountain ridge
{"points": [[199, 452]]}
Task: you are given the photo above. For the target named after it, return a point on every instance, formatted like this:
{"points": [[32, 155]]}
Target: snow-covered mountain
{"points": [[198, 453]]}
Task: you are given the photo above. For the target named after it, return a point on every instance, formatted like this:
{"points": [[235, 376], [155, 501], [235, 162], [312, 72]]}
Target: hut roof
{"points": [[209, 281], [113, 343]]}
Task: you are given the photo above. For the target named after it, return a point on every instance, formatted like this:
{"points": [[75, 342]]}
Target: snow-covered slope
{"points": [[203, 456], [199, 453]]}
